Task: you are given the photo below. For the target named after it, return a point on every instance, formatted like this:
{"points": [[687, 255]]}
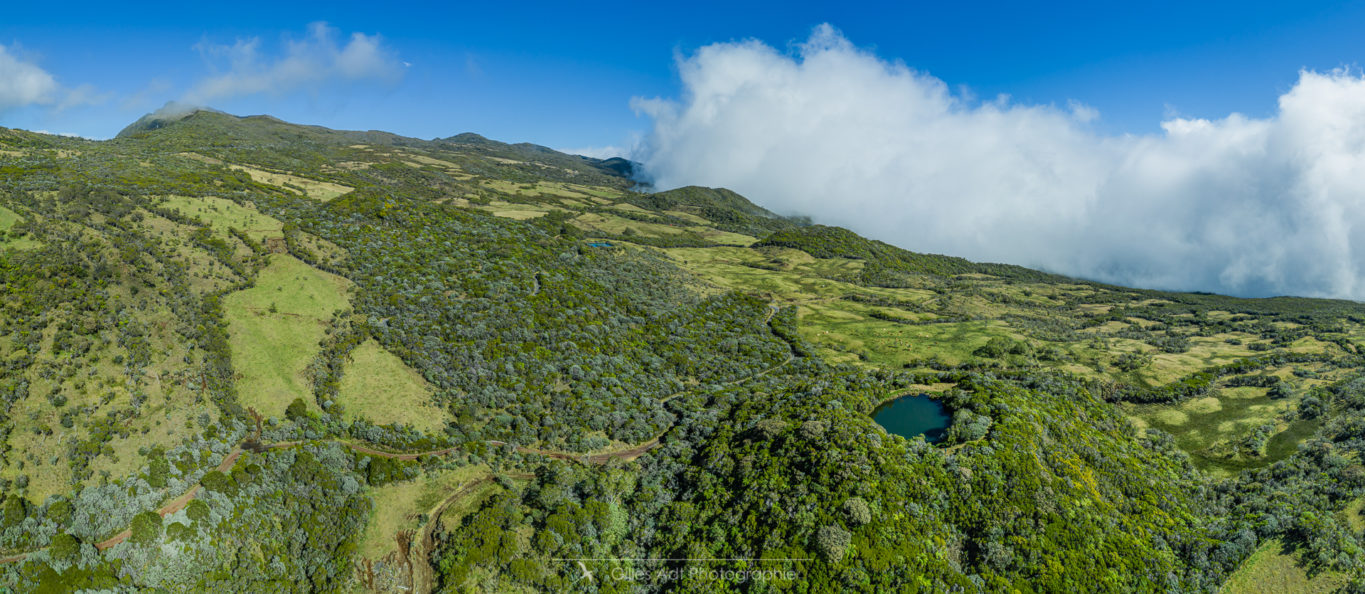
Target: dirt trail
{"points": [[176, 504], [424, 544], [401, 456], [169, 508], [423, 577]]}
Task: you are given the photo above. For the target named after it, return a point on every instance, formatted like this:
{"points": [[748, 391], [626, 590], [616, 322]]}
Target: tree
{"points": [[297, 409], [857, 511], [197, 510], [832, 542], [217, 481], [15, 509], [813, 430], [64, 547], [158, 469], [59, 512], [146, 527]]}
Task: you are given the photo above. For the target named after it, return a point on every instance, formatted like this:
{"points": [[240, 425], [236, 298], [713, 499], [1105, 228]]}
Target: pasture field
{"points": [[1276, 569], [274, 329], [378, 386], [313, 188], [400, 505], [222, 214]]}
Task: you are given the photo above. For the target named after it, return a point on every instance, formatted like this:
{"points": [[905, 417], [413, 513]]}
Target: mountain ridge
{"points": [[324, 343]]}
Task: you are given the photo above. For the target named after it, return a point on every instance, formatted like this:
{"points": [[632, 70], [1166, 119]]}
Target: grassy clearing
{"points": [[1275, 568], [274, 329], [209, 273], [511, 210], [222, 214], [539, 189], [8, 219], [1203, 353], [398, 506], [378, 386], [312, 188], [425, 160], [1354, 514], [1213, 429], [845, 331], [689, 217], [841, 326], [741, 269], [598, 192], [607, 223], [617, 225]]}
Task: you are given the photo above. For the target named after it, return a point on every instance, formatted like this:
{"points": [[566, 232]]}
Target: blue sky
{"points": [[563, 74], [1211, 146]]}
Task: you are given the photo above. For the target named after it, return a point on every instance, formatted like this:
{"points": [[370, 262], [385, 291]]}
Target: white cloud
{"points": [[23, 83], [305, 64], [154, 89], [66, 134], [1237, 205], [597, 152], [85, 94]]}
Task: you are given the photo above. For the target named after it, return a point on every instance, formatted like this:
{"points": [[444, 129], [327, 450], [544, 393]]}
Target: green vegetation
{"points": [[378, 386], [1275, 568], [459, 385], [409, 505], [274, 329], [223, 214], [12, 237]]}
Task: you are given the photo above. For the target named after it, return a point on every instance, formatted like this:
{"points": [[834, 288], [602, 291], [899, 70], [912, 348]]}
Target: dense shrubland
{"points": [[116, 370]]}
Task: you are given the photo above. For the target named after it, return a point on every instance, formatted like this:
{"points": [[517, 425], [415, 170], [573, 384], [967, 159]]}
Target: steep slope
{"points": [[654, 384]]}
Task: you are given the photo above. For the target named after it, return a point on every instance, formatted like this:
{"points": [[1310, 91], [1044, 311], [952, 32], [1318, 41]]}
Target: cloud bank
{"points": [[23, 83], [597, 152], [244, 68], [1235, 205]]}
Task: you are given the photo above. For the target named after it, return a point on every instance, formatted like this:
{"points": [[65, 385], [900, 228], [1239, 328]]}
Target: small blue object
{"points": [[909, 416], [599, 244]]}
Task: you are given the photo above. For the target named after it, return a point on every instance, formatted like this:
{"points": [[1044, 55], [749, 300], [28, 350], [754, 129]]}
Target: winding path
{"points": [[422, 577], [425, 543], [169, 508]]}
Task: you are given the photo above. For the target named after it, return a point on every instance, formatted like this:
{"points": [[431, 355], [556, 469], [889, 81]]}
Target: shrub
{"points": [[146, 527], [197, 510], [64, 547], [1281, 390], [832, 542], [855, 508], [297, 409]]}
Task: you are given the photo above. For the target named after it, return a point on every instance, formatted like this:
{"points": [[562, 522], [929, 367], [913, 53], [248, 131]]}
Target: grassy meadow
{"points": [[378, 386], [274, 329]]}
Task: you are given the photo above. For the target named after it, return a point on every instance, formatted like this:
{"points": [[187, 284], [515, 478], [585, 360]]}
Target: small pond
{"points": [[909, 416]]}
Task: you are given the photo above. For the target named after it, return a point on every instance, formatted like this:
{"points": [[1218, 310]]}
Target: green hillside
{"points": [[241, 354]]}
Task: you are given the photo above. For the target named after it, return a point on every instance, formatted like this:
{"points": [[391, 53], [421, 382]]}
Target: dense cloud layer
{"points": [[1236, 205], [306, 64]]}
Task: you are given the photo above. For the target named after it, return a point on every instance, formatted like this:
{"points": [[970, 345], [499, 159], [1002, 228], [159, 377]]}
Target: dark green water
{"points": [[913, 415]]}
